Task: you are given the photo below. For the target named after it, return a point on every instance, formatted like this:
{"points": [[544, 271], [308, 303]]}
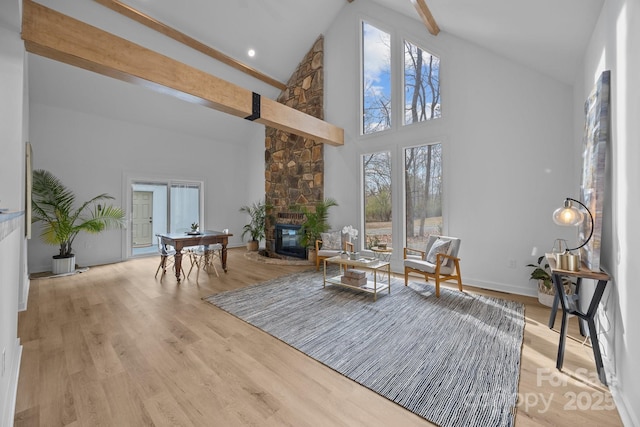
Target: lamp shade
{"points": [[567, 215]]}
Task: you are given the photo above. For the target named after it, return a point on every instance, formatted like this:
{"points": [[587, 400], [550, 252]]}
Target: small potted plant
{"points": [[195, 228], [546, 290]]}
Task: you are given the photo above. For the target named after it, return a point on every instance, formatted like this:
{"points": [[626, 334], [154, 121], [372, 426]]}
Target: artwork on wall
{"points": [[593, 170]]}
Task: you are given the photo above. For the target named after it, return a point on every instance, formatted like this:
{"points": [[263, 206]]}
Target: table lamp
{"points": [[569, 215]]}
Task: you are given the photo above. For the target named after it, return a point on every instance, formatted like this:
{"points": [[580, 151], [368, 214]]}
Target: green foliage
{"points": [[378, 206], [541, 272], [53, 205], [316, 221], [259, 213]]}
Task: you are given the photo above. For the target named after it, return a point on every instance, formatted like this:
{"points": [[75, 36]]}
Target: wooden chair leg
{"points": [[437, 287], [211, 262], [193, 262], [406, 276], [459, 275], [162, 261]]}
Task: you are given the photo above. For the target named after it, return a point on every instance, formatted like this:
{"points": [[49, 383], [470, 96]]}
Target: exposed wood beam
{"points": [[427, 17], [54, 35], [168, 31]]}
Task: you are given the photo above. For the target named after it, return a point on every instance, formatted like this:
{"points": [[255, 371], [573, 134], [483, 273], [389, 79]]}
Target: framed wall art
{"points": [[596, 136]]}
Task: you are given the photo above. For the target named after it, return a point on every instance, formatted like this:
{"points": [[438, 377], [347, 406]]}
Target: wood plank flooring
{"points": [[116, 347]]}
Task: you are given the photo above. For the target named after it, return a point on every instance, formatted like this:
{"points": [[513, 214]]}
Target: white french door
{"points": [[160, 206]]}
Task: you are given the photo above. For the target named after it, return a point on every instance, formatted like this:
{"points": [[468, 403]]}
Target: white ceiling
{"points": [[547, 35]]}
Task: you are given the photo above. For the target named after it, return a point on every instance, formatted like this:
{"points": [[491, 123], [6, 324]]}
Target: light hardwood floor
{"points": [[116, 347]]}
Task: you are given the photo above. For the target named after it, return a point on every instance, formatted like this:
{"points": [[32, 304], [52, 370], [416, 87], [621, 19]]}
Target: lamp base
{"points": [[568, 261]]}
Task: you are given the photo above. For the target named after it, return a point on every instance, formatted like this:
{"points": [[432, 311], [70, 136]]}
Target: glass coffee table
{"points": [[372, 285]]}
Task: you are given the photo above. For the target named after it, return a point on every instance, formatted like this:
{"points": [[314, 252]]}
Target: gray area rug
{"points": [[454, 361]]}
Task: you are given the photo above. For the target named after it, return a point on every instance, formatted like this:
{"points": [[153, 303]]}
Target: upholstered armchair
{"points": [[439, 261], [331, 244]]}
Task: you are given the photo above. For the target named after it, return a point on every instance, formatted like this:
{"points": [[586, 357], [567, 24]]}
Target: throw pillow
{"points": [[331, 240], [440, 246]]}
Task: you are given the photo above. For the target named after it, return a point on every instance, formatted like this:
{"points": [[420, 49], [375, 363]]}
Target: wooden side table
{"points": [[570, 305]]}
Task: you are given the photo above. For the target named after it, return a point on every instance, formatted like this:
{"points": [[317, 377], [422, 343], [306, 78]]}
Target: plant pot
{"points": [[547, 295], [545, 298], [63, 265], [252, 245], [311, 255]]}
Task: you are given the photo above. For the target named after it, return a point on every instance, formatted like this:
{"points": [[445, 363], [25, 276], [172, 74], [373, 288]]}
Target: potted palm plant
{"points": [[256, 228], [53, 205], [316, 222]]}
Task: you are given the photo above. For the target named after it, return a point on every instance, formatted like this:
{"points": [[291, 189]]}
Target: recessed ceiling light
{"points": [[251, 53]]}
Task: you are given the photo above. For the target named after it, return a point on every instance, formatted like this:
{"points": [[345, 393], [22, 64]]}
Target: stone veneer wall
{"points": [[294, 165]]}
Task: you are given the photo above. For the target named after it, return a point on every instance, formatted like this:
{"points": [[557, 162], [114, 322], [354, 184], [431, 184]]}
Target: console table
{"points": [[570, 305]]}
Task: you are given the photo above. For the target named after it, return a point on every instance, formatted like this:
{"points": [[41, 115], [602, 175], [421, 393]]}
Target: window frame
{"points": [[403, 101], [443, 201], [392, 73]]}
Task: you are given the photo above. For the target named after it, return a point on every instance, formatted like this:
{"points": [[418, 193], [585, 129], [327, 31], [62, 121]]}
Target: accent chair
{"points": [[331, 244], [439, 261]]}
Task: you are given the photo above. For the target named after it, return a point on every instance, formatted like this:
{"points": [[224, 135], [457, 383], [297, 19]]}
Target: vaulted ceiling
{"points": [[547, 35]]}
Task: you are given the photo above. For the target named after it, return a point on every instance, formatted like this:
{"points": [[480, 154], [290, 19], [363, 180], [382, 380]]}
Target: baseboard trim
{"points": [[9, 407], [501, 287], [625, 409], [24, 298]]}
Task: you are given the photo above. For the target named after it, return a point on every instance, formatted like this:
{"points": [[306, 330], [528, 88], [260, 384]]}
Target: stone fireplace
{"points": [[294, 165]]}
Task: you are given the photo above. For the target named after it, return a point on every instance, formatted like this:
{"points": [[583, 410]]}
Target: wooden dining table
{"points": [[179, 241]]}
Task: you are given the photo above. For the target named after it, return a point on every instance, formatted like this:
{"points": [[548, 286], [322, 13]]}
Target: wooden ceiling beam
{"points": [[171, 32], [52, 34], [426, 16]]}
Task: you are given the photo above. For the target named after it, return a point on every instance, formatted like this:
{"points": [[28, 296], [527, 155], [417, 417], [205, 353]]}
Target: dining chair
{"points": [[167, 257], [204, 257]]}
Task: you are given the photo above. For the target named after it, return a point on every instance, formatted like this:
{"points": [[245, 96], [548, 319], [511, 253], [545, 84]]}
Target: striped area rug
{"points": [[453, 360]]}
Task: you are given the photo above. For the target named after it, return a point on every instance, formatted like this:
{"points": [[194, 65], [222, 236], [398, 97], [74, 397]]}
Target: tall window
{"points": [[377, 199], [376, 79], [421, 84], [423, 193], [185, 206]]}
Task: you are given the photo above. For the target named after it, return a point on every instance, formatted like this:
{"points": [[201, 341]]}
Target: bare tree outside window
{"points": [[377, 199], [423, 193], [421, 84], [376, 79]]}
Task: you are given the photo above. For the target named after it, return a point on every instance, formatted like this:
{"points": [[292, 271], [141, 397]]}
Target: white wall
{"points": [[12, 173], [614, 46], [93, 154], [507, 135]]}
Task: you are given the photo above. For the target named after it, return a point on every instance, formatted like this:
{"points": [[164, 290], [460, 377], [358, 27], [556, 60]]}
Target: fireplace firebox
{"points": [[288, 241]]}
